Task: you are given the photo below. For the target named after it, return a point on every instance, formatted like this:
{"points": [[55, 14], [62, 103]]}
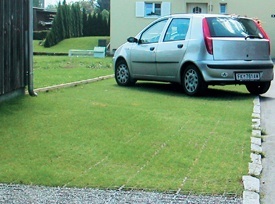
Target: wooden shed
{"points": [[16, 50]]}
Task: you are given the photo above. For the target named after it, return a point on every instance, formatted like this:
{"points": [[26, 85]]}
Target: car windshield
{"points": [[233, 27]]}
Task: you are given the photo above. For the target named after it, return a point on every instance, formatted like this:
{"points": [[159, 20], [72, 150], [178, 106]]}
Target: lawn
{"points": [[83, 43], [49, 71], [150, 136]]}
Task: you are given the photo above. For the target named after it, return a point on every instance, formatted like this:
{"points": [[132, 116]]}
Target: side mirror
{"points": [[132, 40]]}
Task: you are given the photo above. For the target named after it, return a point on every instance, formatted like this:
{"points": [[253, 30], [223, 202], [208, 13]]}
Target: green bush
{"points": [[40, 35]]}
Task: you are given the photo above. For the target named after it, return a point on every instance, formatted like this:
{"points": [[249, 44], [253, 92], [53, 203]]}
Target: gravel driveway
{"points": [[17, 194]]}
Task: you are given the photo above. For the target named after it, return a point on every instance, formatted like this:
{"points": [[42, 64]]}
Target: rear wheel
{"points": [[122, 74], [193, 82], [258, 88]]}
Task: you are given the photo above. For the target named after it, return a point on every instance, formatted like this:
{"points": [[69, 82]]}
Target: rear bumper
{"points": [[241, 67], [221, 72]]}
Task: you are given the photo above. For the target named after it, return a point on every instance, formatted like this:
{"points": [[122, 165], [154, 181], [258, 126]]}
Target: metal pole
{"points": [[30, 54]]}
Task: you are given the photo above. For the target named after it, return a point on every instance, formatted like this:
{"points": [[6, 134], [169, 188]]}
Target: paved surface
{"points": [[21, 194], [268, 124]]}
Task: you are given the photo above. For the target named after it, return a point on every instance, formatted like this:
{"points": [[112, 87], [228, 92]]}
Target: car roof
{"points": [[198, 15]]}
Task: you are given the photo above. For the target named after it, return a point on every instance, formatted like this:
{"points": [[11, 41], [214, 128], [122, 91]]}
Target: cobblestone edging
{"points": [[251, 194], [72, 84]]}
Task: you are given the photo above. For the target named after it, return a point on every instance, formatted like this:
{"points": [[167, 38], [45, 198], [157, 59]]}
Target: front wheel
{"points": [[122, 74], [193, 82], [258, 88]]}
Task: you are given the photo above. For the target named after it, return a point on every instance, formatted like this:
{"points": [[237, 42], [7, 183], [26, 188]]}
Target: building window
{"points": [[152, 9], [149, 9], [223, 8]]}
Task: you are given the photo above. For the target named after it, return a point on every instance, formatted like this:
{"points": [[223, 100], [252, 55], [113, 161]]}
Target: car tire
{"points": [[122, 74], [258, 88], [193, 82]]}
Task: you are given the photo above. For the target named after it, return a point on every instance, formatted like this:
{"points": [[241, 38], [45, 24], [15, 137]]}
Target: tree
{"points": [[66, 18], [56, 33], [66, 24], [38, 3], [76, 21], [85, 23], [105, 14], [51, 7], [79, 23], [89, 28], [73, 21], [100, 5], [87, 5], [94, 24], [104, 4]]}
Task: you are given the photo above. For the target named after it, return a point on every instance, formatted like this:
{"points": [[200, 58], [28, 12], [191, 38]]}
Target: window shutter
{"points": [[165, 8], [140, 9]]}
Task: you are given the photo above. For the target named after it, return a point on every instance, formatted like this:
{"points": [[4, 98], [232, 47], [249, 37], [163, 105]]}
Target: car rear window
{"points": [[233, 27]]}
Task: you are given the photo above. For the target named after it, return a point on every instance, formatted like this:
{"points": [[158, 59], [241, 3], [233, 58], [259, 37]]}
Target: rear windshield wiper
{"points": [[253, 37]]}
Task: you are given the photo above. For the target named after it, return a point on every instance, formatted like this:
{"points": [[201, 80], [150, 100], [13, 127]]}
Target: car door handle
{"points": [[180, 45], [152, 48]]}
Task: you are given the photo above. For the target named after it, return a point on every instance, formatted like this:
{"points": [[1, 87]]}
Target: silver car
{"points": [[198, 50]]}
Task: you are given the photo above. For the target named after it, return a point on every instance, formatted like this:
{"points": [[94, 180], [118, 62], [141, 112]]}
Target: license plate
{"points": [[247, 76]]}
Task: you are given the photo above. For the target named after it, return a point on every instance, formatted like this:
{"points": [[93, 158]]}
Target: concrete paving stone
{"points": [[250, 197], [251, 184], [256, 121], [256, 148], [256, 133], [256, 124], [256, 158], [256, 127], [255, 169], [256, 115], [257, 109], [256, 140], [256, 101]]}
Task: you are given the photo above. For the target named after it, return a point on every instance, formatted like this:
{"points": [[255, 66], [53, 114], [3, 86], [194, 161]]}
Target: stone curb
{"points": [[72, 84], [251, 182]]}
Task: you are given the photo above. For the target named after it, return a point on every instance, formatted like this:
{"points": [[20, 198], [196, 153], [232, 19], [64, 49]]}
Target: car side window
{"points": [[153, 33], [177, 29]]}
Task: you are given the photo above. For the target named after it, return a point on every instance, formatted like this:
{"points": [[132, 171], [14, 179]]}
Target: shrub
{"points": [[40, 35]]}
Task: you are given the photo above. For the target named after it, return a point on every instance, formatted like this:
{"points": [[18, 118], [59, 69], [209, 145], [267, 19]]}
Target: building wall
{"points": [[42, 19], [124, 22]]}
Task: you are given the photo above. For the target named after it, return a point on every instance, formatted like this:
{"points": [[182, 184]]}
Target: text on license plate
{"points": [[247, 76]]}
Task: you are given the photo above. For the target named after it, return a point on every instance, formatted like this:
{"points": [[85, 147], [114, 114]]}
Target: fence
{"points": [[16, 46]]}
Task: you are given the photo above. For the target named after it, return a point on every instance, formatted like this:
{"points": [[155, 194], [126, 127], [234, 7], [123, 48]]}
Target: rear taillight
{"points": [[263, 33], [207, 37], [262, 30]]}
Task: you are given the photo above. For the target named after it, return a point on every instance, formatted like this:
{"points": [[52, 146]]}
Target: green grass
{"points": [[84, 43], [150, 136], [52, 70]]}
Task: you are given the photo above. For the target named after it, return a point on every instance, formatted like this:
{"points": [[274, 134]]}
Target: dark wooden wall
{"points": [[14, 44]]}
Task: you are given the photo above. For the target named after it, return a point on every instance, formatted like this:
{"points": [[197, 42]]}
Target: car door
{"points": [[143, 53], [171, 50]]}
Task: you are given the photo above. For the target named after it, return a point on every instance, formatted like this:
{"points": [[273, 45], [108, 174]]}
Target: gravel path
{"points": [[17, 194]]}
